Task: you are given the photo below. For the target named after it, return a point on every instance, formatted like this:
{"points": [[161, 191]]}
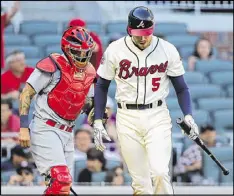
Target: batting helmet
{"points": [[77, 45], [140, 22]]}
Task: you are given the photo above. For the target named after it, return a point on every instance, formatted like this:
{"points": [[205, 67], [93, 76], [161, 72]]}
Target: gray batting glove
{"points": [[99, 132], [194, 132]]}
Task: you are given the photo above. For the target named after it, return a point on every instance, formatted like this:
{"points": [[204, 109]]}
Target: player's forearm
{"points": [[100, 97], [25, 99], [183, 94]]}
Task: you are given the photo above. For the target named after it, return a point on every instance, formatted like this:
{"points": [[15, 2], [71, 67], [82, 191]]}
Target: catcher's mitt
{"points": [[91, 117]]}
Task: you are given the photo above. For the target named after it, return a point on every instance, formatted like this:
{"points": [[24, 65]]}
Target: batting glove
{"points": [[194, 132], [99, 132]]}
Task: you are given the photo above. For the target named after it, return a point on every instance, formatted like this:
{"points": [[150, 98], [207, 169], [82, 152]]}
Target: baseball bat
{"points": [[199, 142], [74, 193]]}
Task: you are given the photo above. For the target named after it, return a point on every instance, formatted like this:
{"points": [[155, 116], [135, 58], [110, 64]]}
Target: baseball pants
{"points": [[145, 142], [50, 146]]}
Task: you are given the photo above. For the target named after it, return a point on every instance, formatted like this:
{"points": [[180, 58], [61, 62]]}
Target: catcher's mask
{"points": [[77, 45]]}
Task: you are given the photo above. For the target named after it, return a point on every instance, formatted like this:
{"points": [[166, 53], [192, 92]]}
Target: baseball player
{"points": [[142, 65], [61, 84]]}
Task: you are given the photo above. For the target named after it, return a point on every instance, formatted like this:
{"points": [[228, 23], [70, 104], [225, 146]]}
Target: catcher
{"points": [[61, 84]]}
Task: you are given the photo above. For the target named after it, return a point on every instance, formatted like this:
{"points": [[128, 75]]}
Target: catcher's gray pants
{"points": [[50, 146]]}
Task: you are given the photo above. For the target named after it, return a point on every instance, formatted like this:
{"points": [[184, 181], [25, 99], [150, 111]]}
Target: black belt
{"points": [[139, 106]]}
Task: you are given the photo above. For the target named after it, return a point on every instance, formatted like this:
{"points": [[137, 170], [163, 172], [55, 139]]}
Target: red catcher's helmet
{"points": [[77, 45]]}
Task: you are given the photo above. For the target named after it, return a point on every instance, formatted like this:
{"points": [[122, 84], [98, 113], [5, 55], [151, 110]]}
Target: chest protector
{"points": [[67, 98]]}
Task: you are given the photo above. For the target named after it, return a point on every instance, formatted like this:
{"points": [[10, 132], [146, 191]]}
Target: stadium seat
{"points": [[46, 40], [116, 27], [213, 104], [185, 64], [17, 39], [201, 116], [112, 90], [80, 120], [172, 103], [221, 77], [29, 51], [167, 28], [53, 49], [32, 61], [223, 119], [224, 140], [95, 27], [9, 29], [227, 180], [230, 90], [38, 27], [195, 78], [110, 164], [205, 90], [5, 176], [205, 66], [187, 50], [182, 40], [127, 179], [210, 169], [105, 41], [78, 166], [98, 177]]}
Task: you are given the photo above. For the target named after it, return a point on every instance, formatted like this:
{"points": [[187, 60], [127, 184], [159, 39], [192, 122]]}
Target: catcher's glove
{"points": [[91, 117]]}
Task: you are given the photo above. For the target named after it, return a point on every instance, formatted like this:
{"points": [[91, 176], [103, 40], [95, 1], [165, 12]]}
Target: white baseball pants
{"points": [[145, 142]]}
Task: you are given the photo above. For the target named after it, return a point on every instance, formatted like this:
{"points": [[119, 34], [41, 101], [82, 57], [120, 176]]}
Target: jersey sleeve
{"points": [[175, 66], [107, 66], [39, 80]]}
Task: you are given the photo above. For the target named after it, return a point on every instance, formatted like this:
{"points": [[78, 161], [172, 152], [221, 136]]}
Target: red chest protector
{"points": [[67, 98]]}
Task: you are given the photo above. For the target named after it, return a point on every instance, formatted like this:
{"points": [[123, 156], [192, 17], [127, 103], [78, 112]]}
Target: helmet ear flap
{"points": [[128, 32]]}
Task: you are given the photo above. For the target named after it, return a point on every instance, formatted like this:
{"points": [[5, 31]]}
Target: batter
{"points": [[142, 66]]}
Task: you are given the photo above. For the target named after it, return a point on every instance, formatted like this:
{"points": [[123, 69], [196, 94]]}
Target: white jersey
{"points": [[141, 76], [43, 83]]}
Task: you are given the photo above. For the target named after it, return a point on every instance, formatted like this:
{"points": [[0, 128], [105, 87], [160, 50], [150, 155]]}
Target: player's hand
{"points": [[24, 137], [99, 132], [194, 132]]}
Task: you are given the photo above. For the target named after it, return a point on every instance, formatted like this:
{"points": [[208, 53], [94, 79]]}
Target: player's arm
{"points": [[183, 95], [175, 72], [100, 97], [25, 99], [106, 72], [38, 80]]}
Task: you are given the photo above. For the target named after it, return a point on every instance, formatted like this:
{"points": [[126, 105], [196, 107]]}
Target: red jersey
{"points": [[98, 55], [13, 124], [3, 20], [9, 82]]}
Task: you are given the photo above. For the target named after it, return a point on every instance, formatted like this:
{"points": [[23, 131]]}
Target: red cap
{"points": [[77, 22]]}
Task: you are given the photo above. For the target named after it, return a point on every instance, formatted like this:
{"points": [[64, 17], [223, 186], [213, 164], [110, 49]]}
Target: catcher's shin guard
{"points": [[60, 181]]}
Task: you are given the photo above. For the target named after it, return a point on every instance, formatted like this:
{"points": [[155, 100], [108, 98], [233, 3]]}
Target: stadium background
{"points": [[211, 84]]}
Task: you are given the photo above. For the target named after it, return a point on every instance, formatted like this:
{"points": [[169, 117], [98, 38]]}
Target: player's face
{"points": [[142, 41]]}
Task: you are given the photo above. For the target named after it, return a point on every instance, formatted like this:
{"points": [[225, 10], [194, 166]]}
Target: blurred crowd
{"points": [[17, 165]]}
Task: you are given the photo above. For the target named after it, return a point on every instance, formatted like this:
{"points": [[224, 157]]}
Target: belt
{"points": [[59, 126], [139, 106]]}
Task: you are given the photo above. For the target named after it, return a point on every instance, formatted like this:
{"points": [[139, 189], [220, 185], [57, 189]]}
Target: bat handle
{"points": [[183, 125]]}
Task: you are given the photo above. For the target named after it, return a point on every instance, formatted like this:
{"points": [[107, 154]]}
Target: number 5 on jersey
{"points": [[155, 83]]}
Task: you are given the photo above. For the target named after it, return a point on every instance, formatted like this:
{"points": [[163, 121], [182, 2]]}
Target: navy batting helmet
{"points": [[140, 22]]}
